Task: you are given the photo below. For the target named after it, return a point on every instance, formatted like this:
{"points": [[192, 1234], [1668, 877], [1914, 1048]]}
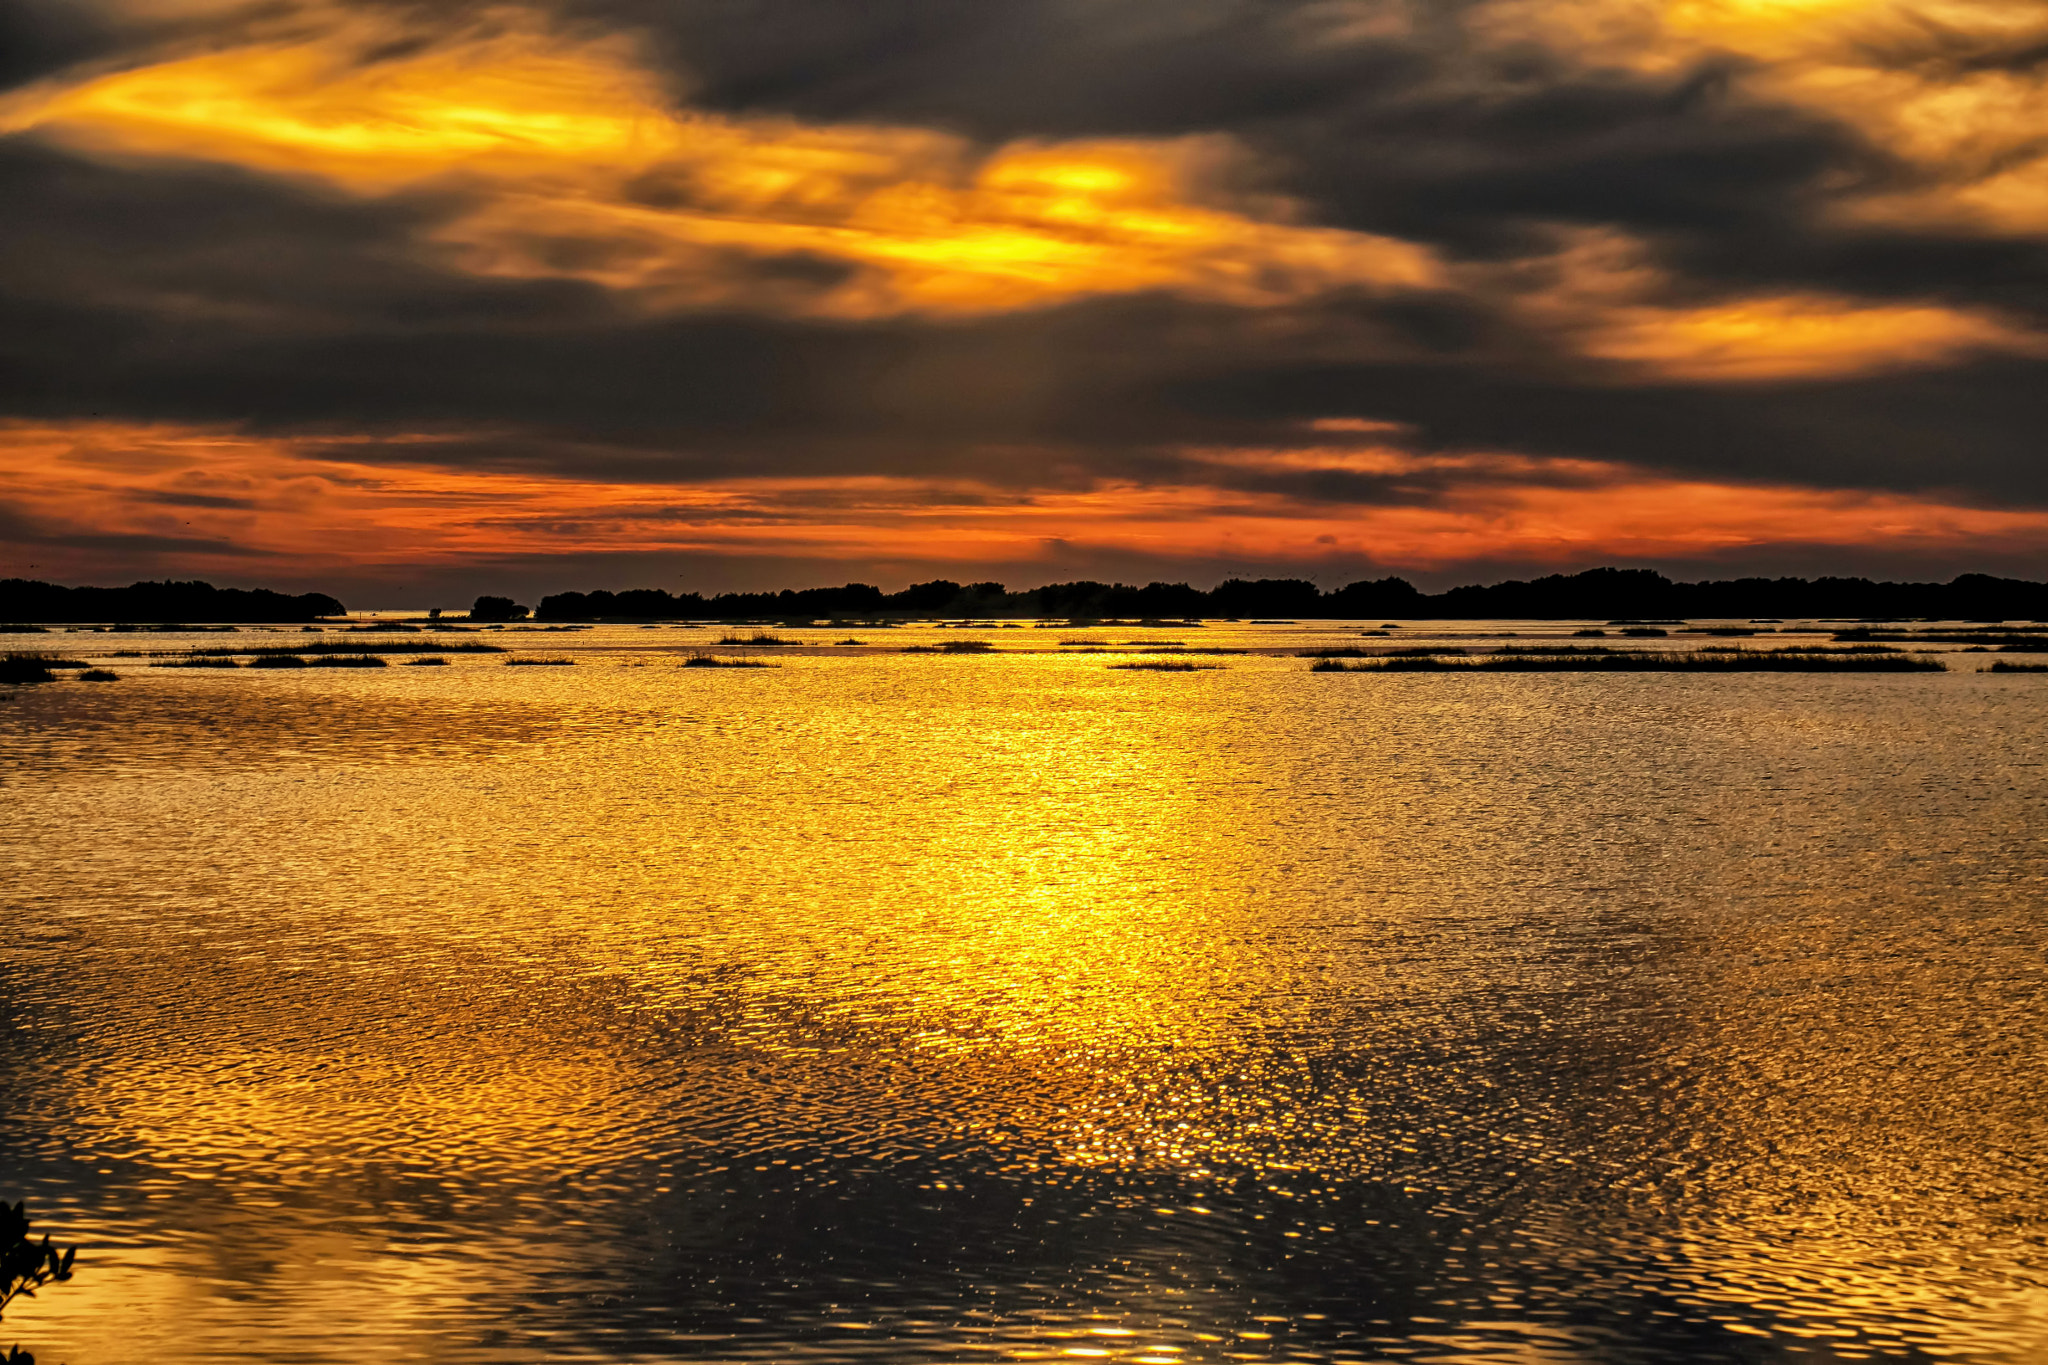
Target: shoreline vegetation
{"points": [[30, 601], [1637, 602], [1640, 601]]}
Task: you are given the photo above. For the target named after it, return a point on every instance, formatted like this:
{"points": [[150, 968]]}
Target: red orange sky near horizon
{"points": [[553, 143]]}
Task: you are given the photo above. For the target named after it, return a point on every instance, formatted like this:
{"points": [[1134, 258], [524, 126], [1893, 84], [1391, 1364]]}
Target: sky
{"points": [[412, 300]]}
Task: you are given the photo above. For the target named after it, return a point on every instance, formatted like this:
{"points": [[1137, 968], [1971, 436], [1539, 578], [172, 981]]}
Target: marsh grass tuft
{"points": [[760, 638], [2001, 666], [1166, 666], [99, 675], [319, 647], [347, 661], [539, 663], [208, 662], [277, 661], [952, 647], [700, 659], [29, 666], [25, 668], [1649, 661], [1803, 649], [427, 663]]}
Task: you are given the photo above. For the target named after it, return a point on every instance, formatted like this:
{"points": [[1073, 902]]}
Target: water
{"points": [[887, 1007]]}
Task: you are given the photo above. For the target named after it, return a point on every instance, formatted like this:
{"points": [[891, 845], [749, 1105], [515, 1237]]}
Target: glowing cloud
{"points": [[1798, 337], [576, 166], [314, 504]]}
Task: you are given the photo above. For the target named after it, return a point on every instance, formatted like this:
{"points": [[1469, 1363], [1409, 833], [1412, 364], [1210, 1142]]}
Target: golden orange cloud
{"points": [[1905, 73], [580, 167], [1598, 294], [311, 505], [576, 162]]}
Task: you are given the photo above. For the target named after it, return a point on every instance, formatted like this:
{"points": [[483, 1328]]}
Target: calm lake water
{"points": [[920, 1008]]}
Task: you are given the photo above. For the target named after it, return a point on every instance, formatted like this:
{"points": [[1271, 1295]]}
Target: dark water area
{"points": [[1013, 1006]]}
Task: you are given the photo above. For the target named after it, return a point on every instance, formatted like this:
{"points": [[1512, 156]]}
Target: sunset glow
{"points": [[221, 502], [539, 230]]}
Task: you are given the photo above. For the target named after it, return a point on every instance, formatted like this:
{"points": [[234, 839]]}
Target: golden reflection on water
{"points": [[1252, 1014]]}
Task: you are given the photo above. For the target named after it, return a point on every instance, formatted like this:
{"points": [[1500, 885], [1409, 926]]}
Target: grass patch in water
{"points": [[426, 663], [1648, 661], [952, 647], [2008, 640], [99, 675], [277, 661], [539, 663], [1803, 649], [347, 661], [701, 660], [318, 647], [759, 638], [195, 663], [1166, 666], [2001, 666], [27, 668]]}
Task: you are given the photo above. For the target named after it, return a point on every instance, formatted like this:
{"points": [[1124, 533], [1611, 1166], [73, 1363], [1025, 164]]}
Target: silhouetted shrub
{"points": [[26, 1266], [99, 675], [25, 668], [498, 609]]}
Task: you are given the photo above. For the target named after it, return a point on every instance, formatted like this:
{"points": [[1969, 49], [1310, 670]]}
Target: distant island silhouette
{"points": [[1596, 594], [26, 600], [1618, 595]]}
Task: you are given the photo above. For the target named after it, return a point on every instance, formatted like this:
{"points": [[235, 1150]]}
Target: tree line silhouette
{"points": [[27, 600], [1605, 593]]}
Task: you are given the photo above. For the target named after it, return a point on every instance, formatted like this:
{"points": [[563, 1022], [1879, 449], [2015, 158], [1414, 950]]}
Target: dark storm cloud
{"points": [[1411, 132], [38, 37], [212, 296], [21, 530]]}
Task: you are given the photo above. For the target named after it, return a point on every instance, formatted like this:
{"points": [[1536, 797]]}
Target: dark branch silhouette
{"points": [[26, 1266]]}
